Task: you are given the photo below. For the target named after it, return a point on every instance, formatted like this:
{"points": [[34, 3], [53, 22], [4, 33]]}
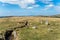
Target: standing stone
{"points": [[14, 35], [46, 22], [41, 22]]}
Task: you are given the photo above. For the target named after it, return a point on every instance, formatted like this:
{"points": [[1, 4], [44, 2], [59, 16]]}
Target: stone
{"points": [[46, 22], [34, 27]]}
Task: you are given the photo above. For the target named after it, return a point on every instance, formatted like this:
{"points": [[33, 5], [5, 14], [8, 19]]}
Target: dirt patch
{"points": [[8, 34]]}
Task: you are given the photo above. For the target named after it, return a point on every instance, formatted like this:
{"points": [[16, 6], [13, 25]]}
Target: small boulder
{"points": [[34, 27]]}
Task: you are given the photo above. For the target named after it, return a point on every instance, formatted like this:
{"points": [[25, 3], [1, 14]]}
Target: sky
{"points": [[29, 7]]}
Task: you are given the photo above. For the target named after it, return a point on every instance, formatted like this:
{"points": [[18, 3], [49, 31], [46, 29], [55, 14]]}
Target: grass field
{"points": [[43, 31]]}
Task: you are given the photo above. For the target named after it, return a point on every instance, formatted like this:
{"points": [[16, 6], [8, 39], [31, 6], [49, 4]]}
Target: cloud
{"points": [[9, 1], [51, 8], [25, 3], [57, 8], [21, 3], [29, 7], [48, 6], [33, 6], [36, 5], [46, 1]]}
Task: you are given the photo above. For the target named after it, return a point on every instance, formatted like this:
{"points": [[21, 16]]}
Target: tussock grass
{"points": [[41, 33]]}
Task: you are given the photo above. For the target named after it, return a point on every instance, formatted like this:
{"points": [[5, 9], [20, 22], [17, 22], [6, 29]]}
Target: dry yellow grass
{"points": [[41, 33], [16, 19]]}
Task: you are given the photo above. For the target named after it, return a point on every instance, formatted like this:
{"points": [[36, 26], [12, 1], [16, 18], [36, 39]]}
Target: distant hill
{"points": [[57, 16], [5, 16]]}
